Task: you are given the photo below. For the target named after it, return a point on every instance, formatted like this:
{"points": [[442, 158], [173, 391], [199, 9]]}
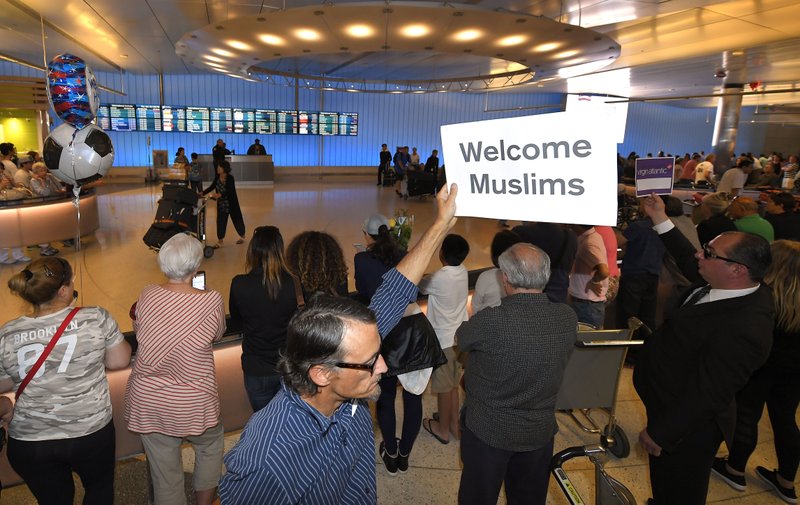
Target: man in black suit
{"points": [[692, 366]]}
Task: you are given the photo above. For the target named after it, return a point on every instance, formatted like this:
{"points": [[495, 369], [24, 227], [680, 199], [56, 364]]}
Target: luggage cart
{"points": [[180, 210], [608, 490], [591, 382]]}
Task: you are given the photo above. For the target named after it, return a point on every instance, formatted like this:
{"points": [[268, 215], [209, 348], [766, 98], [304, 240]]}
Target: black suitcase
{"points": [[180, 194], [389, 178], [421, 183], [172, 213], [156, 236]]}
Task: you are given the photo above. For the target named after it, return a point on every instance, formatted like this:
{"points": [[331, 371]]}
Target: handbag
{"points": [[39, 362]]}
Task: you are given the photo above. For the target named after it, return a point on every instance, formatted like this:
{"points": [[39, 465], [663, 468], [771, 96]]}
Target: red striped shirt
{"points": [[172, 388]]}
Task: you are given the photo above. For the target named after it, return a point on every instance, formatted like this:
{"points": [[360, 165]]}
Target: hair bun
{"points": [[28, 274]]}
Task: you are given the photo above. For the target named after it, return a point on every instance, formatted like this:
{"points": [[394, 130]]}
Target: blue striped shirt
{"points": [[290, 453]]}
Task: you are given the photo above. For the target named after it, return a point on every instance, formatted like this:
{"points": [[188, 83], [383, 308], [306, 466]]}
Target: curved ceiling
{"points": [[668, 48]]}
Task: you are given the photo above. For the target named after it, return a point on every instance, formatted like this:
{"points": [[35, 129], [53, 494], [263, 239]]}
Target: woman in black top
{"points": [[262, 302], [227, 202]]}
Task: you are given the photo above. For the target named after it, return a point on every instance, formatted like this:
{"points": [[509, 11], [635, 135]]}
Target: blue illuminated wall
{"points": [[411, 120]]}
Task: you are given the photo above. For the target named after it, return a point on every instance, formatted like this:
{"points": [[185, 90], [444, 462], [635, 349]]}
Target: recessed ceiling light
{"points": [[222, 52], [512, 40], [213, 58], [123, 56], [238, 44], [307, 34], [359, 31], [573, 61], [549, 46], [396, 92], [467, 35], [415, 30], [270, 39], [566, 54]]}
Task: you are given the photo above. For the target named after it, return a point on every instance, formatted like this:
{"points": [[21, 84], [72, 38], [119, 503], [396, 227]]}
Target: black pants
{"points": [[387, 420], [47, 467], [222, 221], [781, 393], [486, 468], [681, 476], [196, 186]]}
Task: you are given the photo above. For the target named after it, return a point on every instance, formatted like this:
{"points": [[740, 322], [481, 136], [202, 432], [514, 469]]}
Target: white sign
{"points": [[557, 168]]}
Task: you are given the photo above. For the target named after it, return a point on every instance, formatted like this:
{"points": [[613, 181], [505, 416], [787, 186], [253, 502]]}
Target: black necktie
{"points": [[697, 295]]}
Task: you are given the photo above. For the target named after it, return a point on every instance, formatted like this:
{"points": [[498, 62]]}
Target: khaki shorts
{"points": [[166, 463], [446, 378]]}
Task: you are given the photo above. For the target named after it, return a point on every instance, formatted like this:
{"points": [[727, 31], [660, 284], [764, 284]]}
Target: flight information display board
{"points": [[307, 122], [287, 121], [173, 119], [168, 118], [348, 123], [197, 119], [244, 121], [221, 120], [123, 117], [103, 120], [148, 118], [328, 123]]}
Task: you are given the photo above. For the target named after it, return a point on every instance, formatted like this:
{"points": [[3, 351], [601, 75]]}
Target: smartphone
{"points": [[199, 280]]}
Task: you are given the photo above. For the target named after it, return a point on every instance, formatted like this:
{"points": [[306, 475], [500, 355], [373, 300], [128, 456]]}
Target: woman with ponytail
{"points": [[62, 419]]}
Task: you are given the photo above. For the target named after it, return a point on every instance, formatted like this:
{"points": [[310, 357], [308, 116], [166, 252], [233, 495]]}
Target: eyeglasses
{"points": [[711, 255], [366, 367]]}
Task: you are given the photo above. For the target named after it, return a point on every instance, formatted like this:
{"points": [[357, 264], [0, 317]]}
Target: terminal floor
{"points": [[114, 264]]}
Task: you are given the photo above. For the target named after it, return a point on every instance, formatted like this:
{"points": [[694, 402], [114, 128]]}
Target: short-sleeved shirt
{"points": [[68, 397], [757, 225], [733, 178], [644, 253], [488, 291], [447, 291], [591, 252], [172, 388]]}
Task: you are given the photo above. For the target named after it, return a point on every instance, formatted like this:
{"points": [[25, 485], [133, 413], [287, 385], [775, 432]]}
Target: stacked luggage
{"points": [[421, 183], [177, 213]]}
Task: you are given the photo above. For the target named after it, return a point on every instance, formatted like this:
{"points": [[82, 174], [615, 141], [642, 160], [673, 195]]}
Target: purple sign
{"points": [[654, 175]]}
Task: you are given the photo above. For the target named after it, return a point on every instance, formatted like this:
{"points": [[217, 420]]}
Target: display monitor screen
{"points": [[265, 121], [307, 122], [103, 119], [348, 123], [286, 121], [328, 123], [173, 119], [244, 121], [123, 117], [148, 118], [221, 120], [197, 119]]}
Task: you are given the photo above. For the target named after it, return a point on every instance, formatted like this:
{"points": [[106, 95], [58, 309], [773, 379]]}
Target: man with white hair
{"points": [[517, 355]]}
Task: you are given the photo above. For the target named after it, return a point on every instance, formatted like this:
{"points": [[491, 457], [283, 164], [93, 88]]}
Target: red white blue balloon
{"points": [[72, 89]]}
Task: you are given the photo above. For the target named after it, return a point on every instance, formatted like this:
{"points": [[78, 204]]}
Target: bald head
{"points": [[741, 207], [526, 267]]}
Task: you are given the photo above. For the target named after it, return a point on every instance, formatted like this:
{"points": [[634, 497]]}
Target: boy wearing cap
{"points": [[23, 175]]}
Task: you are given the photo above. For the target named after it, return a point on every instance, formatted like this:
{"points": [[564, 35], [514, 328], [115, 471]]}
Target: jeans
{"points": [[261, 389], [589, 312], [47, 466]]}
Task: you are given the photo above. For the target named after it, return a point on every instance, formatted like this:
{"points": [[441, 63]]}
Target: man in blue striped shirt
{"points": [[314, 442]]}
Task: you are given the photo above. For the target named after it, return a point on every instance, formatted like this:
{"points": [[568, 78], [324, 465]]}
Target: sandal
{"points": [[427, 427]]}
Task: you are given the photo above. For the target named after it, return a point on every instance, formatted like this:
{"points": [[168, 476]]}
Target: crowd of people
{"points": [[312, 356], [23, 177]]}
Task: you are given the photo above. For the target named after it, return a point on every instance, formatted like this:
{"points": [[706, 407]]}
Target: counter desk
{"points": [[45, 219], [243, 168]]}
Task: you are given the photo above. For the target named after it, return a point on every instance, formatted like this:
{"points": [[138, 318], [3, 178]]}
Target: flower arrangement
{"points": [[401, 225]]}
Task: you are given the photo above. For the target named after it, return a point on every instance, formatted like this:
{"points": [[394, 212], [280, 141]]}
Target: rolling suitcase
{"points": [[421, 183]]}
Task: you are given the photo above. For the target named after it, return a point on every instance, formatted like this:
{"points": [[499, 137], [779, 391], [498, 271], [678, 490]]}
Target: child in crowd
{"points": [[195, 179], [447, 291]]}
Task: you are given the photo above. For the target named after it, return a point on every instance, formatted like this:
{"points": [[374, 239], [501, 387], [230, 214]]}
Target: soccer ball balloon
{"points": [[78, 157]]}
